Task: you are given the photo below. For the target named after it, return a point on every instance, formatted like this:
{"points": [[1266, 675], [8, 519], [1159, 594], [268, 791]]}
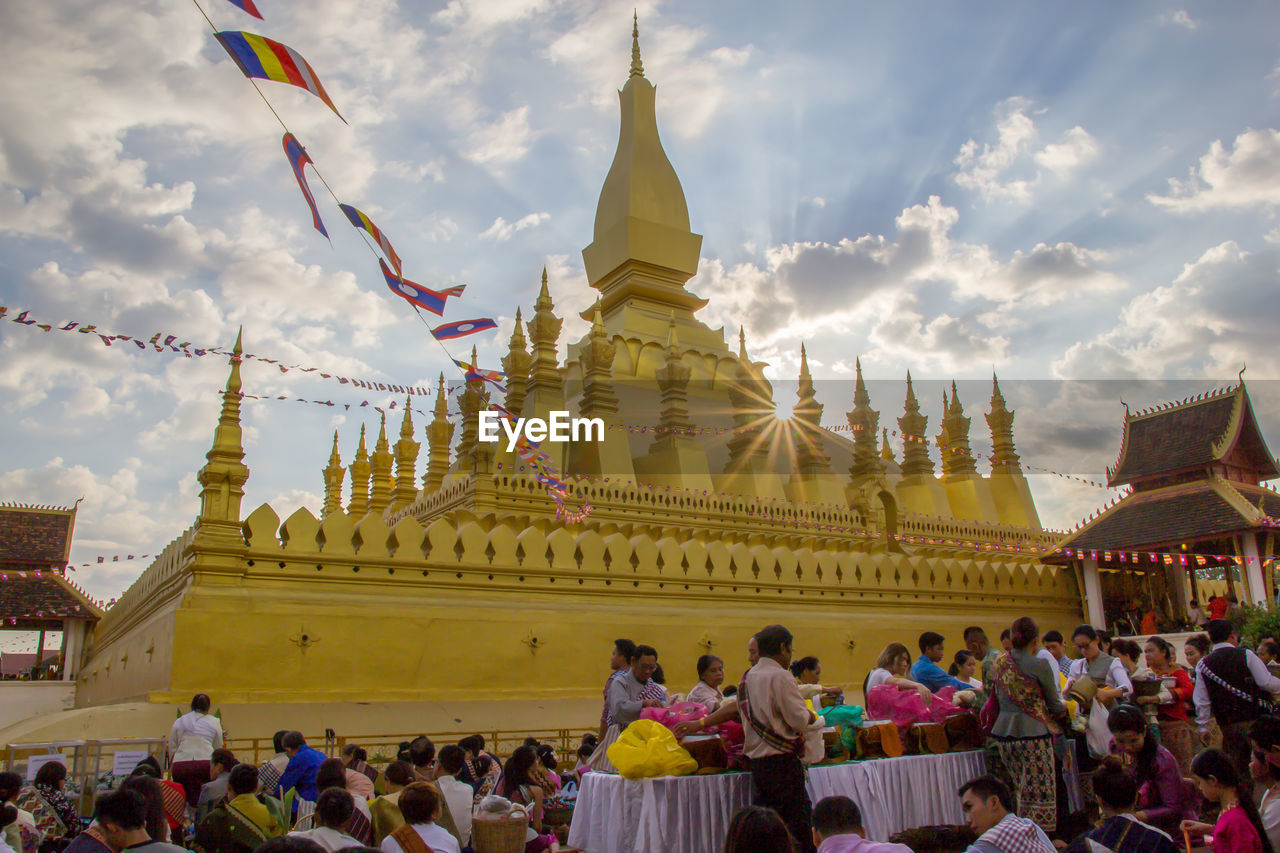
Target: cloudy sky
{"points": [[1081, 196]]}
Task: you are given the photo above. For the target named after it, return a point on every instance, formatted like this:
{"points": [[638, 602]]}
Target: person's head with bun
{"points": [[1024, 635], [1129, 730], [1160, 654], [1196, 647], [1117, 790]]}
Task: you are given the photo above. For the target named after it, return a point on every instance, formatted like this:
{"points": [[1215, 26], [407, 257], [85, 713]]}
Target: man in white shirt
{"points": [[775, 721], [420, 803], [458, 796], [192, 740], [1231, 686], [1109, 672], [333, 810]]}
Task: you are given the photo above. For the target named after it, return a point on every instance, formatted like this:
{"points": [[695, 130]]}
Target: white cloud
{"points": [[1179, 18], [1215, 316], [1003, 171], [502, 230], [1246, 176], [503, 141]]}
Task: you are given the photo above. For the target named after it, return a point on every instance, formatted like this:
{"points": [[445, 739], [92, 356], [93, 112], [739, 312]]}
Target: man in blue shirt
{"points": [[926, 670], [301, 770]]}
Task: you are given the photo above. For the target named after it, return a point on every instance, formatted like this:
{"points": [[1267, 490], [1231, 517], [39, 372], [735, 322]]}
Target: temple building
{"points": [[1196, 506], [439, 584]]}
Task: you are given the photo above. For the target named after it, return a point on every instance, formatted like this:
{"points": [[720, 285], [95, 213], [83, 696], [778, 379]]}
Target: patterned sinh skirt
{"points": [[1176, 736], [1027, 764]]}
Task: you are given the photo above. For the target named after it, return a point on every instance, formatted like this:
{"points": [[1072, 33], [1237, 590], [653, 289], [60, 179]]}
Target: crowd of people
{"points": [[298, 801], [1153, 744]]}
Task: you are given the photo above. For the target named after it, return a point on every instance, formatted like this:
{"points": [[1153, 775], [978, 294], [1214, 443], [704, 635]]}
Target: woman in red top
{"points": [[1171, 714]]}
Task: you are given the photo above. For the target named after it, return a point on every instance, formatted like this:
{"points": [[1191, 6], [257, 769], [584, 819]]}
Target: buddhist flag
{"points": [[298, 159], [247, 5], [462, 328], [259, 56], [364, 223], [423, 297]]}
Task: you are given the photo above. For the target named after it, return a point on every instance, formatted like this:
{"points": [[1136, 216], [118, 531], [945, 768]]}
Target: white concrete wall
{"points": [[21, 700]]}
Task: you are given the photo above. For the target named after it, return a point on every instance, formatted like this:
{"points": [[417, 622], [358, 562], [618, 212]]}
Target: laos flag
{"points": [[462, 328]]}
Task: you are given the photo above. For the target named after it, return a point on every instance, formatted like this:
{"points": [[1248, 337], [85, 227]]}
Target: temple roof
{"points": [[1191, 435], [29, 598], [1204, 509], [38, 537]]}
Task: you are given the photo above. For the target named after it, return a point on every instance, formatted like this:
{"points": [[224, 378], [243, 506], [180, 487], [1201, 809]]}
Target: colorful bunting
{"points": [[248, 6], [462, 328], [364, 223], [298, 160], [424, 297], [260, 57]]}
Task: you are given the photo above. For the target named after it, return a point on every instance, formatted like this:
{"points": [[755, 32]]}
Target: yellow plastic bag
{"points": [[646, 748]]}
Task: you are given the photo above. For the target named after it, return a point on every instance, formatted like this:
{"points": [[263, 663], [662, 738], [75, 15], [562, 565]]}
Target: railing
{"points": [[382, 748]]}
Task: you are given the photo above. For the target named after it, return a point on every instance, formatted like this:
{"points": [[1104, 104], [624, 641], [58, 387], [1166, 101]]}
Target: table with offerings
{"points": [[690, 814]]}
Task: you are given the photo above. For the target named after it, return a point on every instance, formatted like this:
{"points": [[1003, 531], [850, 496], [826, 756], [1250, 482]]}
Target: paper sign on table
{"points": [[35, 762], [123, 762]]}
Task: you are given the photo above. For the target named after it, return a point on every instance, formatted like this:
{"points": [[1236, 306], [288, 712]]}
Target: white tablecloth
{"points": [[690, 814]]}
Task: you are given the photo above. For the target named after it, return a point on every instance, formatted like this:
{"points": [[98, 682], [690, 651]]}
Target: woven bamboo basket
{"points": [[499, 834]]}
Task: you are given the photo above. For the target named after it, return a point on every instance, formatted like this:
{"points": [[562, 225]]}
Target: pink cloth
{"points": [[681, 712], [906, 707], [1233, 833]]}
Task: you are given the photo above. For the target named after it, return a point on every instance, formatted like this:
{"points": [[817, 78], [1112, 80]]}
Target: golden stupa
{"points": [[460, 602]]}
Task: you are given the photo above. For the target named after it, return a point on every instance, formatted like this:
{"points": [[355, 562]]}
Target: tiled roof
{"points": [[1172, 439], [1183, 513], [36, 536], [25, 596]]}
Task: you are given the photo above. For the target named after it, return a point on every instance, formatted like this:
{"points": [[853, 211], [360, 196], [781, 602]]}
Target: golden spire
{"points": [[742, 344], [1004, 459], [673, 382], [637, 67], [956, 457], [439, 434], [867, 461], [598, 397], [516, 365], [544, 331], [224, 474], [333, 476], [913, 425], [380, 494], [886, 452], [811, 458], [641, 247], [358, 506], [406, 461]]}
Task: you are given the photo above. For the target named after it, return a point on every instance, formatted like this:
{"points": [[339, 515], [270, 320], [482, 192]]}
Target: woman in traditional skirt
{"points": [[1171, 704], [1031, 714]]}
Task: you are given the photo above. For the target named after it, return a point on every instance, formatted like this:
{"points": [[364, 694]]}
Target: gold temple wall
{"points": [[473, 607]]}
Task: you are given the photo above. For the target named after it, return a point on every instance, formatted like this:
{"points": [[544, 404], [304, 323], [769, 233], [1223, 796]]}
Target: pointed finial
{"points": [[473, 354], [406, 425], [637, 67], [442, 405], [672, 340], [334, 458], [597, 322], [1243, 368], [543, 293], [886, 452], [742, 343], [237, 349], [382, 431], [361, 449]]}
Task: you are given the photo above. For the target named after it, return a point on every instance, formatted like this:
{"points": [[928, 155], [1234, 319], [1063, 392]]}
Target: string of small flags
{"points": [[162, 342]]}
